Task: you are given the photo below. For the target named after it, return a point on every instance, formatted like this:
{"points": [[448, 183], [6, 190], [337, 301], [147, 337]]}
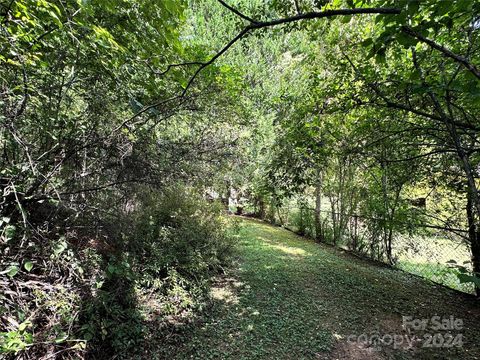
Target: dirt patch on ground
{"points": [[225, 289], [349, 350]]}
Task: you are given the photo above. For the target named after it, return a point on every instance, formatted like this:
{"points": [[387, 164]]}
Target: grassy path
{"points": [[290, 298]]}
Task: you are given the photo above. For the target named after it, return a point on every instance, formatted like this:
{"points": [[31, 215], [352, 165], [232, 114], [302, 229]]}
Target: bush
{"points": [[178, 229], [173, 243], [105, 287], [47, 273], [303, 220]]}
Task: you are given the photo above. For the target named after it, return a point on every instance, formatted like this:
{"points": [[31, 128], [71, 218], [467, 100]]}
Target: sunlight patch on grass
{"points": [[290, 250]]}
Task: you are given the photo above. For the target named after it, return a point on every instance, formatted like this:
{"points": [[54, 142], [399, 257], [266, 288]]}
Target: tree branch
{"points": [[161, 73], [395, 105], [297, 7], [254, 25], [446, 52], [325, 14], [216, 56], [236, 12]]}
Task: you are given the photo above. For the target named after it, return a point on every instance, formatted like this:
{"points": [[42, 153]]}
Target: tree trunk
{"points": [[318, 207], [261, 208], [474, 237], [355, 234], [334, 218]]}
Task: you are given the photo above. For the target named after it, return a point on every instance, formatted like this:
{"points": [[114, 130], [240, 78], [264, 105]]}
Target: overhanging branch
{"points": [[236, 12], [254, 25], [446, 52]]}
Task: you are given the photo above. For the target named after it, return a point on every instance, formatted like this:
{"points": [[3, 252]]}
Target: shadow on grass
{"points": [[288, 298], [291, 298]]}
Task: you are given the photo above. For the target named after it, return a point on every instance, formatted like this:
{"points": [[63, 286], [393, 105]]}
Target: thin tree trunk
{"points": [[474, 237], [318, 207]]}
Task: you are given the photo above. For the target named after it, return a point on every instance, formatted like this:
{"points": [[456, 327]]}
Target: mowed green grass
{"points": [[290, 298]]}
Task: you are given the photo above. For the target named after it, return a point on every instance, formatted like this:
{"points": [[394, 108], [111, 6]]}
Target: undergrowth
{"points": [[75, 290]]}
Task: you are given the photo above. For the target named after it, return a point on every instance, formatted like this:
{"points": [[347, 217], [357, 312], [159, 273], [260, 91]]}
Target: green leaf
{"points": [[406, 41], [367, 42], [59, 248], [12, 270], [55, 18], [380, 57], [9, 231], [61, 337], [28, 266], [24, 325], [170, 6]]}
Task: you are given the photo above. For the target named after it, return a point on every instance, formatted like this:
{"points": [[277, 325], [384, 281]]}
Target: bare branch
{"points": [[161, 73], [236, 12]]}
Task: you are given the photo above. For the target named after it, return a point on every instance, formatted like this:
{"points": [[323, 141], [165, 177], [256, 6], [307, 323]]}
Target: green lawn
{"points": [[289, 298]]}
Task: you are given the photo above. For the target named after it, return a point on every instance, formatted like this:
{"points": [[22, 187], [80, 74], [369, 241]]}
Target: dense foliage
{"points": [[129, 127]]}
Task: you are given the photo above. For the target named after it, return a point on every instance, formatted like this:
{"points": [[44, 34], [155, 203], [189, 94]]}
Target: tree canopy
{"points": [[125, 125]]}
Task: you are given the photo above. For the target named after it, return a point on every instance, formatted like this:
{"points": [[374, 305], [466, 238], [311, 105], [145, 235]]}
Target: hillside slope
{"points": [[290, 298]]}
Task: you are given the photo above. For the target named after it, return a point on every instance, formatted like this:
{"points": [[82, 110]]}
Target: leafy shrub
{"points": [[178, 229], [304, 222], [96, 289], [172, 243], [43, 276]]}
